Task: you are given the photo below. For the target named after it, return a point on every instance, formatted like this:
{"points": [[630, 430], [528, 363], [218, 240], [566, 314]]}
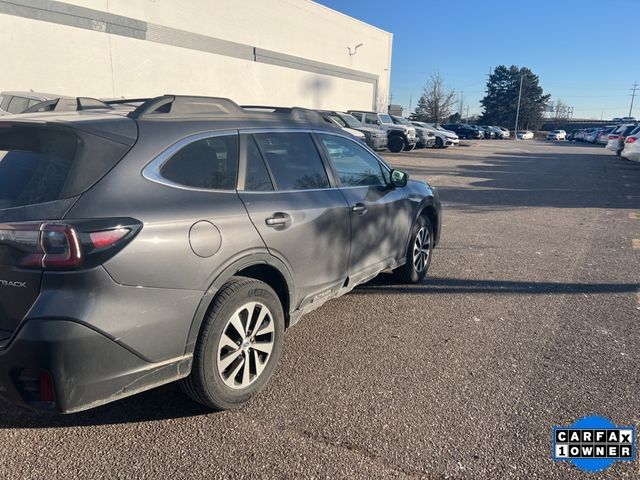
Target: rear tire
{"points": [[238, 347], [418, 256], [396, 144]]}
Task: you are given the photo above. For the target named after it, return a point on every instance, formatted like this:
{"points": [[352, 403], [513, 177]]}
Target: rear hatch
{"points": [[44, 168]]}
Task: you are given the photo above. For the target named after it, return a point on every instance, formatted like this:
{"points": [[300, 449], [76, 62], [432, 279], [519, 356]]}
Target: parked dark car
{"points": [[487, 133], [178, 241], [497, 133], [464, 131]]}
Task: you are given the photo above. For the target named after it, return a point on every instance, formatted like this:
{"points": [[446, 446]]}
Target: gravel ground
{"points": [[529, 319]]}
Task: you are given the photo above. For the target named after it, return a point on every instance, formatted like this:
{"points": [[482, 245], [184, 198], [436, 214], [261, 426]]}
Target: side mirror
{"points": [[398, 178], [378, 122]]}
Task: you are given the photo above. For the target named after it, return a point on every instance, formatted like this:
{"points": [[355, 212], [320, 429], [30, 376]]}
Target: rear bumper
{"points": [[85, 367], [426, 142]]}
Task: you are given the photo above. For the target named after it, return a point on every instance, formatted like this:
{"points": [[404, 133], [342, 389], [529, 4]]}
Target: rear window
{"points": [[43, 164]]}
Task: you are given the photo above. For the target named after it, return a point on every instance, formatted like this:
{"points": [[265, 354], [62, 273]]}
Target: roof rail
{"points": [[296, 113], [124, 101], [88, 103], [178, 106]]}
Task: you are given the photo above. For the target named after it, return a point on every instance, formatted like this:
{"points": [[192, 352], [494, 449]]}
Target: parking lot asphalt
{"points": [[530, 318]]}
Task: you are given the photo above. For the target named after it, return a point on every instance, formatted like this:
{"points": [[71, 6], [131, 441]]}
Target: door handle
{"points": [[359, 208], [279, 219]]}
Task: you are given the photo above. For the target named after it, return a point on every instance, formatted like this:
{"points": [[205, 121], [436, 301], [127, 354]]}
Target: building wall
{"points": [[274, 52]]}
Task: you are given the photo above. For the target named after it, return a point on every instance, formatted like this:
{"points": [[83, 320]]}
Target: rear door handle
{"points": [[359, 208], [279, 219]]}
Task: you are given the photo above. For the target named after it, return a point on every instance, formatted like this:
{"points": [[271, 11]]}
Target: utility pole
{"points": [[461, 103], [518, 110], [633, 96], [467, 118]]}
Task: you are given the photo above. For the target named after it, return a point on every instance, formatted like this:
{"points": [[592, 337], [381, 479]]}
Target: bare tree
{"points": [[437, 101], [561, 113]]}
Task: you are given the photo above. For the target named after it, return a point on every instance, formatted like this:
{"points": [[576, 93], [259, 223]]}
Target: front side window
{"points": [[371, 119], [385, 118], [211, 163], [294, 160], [355, 166]]}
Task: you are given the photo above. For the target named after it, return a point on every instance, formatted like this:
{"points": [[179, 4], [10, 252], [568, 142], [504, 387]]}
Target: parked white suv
{"points": [[557, 135]]}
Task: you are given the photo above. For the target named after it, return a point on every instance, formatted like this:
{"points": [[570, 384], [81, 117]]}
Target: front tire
{"points": [[410, 148], [238, 347], [439, 143], [396, 144], [418, 256]]}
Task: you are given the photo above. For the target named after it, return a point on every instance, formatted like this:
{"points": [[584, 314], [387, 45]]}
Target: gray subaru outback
{"points": [[179, 239]]}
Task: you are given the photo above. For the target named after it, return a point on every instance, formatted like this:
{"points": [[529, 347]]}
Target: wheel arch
{"points": [[263, 267]]}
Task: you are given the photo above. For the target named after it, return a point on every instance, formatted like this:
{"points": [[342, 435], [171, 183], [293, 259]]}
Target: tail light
{"points": [[631, 139], [613, 137], [69, 245]]}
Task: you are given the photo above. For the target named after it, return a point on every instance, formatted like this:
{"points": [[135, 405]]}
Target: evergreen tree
{"points": [[501, 100]]}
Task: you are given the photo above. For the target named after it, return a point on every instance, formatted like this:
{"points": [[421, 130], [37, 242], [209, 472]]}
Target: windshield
{"points": [[338, 120], [385, 118], [402, 121], [349, 120]]}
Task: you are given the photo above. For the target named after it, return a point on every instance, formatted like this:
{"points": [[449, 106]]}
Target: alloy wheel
{"points": [[421, 249], [245, 345]]}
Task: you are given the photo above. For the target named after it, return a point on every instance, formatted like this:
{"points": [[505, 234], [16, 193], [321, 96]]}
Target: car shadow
{"points": [[510, 180], [162, 403], [385, 284]]}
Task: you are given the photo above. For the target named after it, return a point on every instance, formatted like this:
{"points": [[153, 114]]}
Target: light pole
{"points": [[515, 132]]}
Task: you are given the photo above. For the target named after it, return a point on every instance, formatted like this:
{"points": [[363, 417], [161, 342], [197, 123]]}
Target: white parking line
{"points": [[636, 243], [634, 216]]}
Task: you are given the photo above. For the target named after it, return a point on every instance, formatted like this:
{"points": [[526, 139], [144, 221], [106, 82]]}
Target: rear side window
{"points": [[18, 105], [294, 160], [211, 163], [42, 164], [256, 176]]}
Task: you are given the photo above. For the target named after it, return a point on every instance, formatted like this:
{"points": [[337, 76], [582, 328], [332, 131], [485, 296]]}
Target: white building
{"points": [[267, 52]]}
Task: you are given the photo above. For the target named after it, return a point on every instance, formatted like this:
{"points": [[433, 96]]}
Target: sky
{"points": [[584, 51]]}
